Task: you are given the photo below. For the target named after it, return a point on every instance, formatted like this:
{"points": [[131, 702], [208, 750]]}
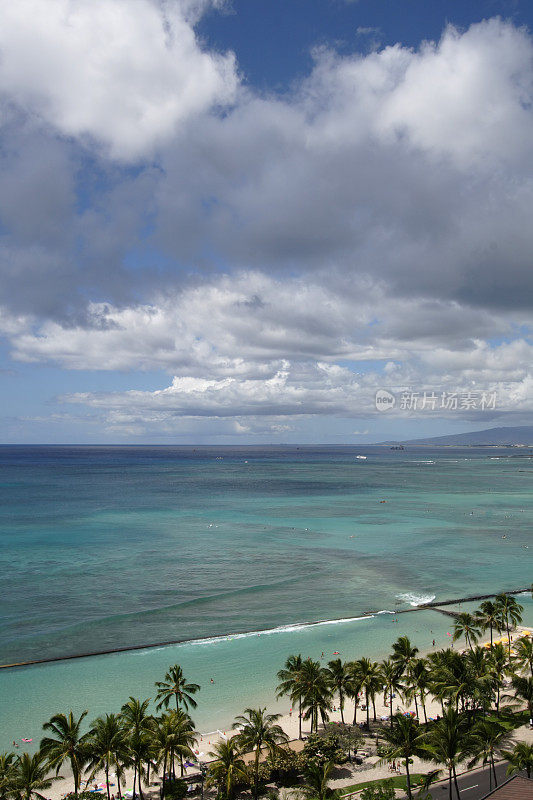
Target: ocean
{"points": [[106, 547]]}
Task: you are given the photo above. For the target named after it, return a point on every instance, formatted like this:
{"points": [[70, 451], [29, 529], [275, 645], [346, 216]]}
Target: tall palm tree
{"points": [[227, 770], [316, 786], [338, 676], [7, 774], [316, 692], [447, 743], [418, 680], [175, 686], [488, 736], [257, 729], [510, 613], [134, 715], [66, 743], [468, 626], [403, 652], [174, 738], [137, 724], [523, 656], [402, 741], [488, 616], [106, 748], [498, 668], [519, 758], [32, 776], [353, 688], [391, 681], [523, 689], [368, 677], [290, 683], [142, 752]]}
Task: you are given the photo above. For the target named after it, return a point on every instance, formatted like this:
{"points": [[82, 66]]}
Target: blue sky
{"points": [[236, 222]]}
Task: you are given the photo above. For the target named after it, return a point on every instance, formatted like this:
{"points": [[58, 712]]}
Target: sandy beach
{"points": [[347, 775]]}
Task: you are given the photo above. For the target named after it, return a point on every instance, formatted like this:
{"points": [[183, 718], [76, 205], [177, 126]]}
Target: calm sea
{"points": [[114, 546]]}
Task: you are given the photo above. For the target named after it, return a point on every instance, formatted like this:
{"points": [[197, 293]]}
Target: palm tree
{"points": [[66, 744], [403, 652], [7, 774], [524, 653], [316, 786], [403, 741], [418, 677], [368, 676], [106, 748], [488, 616], [175, 686], [390, 679], [498, 667], [258, 730], [316, 692], [291, 684], [174, 737], [466, 625], [519, 758], [228, 769], [142, 752], [510, 613], [338, 676], [32, 776], [137, 723], [523, 689], [447, 743], [487, 736], [134, 717]]}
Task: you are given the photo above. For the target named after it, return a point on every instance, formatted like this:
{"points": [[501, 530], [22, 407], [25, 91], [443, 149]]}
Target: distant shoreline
{"points": [[433, 605]]}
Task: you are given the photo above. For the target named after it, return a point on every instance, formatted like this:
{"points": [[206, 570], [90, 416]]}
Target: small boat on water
{"points": [[362, 458]]}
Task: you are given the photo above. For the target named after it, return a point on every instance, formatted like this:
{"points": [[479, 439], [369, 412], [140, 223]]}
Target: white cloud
{"points": [[285, 258], [127, 73]]}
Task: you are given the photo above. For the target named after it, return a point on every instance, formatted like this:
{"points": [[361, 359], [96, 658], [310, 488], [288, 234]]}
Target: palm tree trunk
{"points": [[118, 782], [423, 707], [491, 637], [494, 769], [355, 702], [416, 705], [256, 779], [106, 770], [374, 707], [408, 778], [391, 722], [341, 704], [450, 783], [456, 784], [367, 709], [164, 773], [134, 779], [299, 718]]}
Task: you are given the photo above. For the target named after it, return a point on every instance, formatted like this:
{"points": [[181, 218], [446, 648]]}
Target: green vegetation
{"points": [[481, 693]]}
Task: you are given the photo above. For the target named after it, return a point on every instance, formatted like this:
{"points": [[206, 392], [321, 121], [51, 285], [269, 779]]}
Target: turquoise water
{"points": [[107, 547]]}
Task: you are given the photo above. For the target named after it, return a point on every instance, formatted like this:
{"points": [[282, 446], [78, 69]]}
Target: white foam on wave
{"points": [[280, 629], [415, 599]]}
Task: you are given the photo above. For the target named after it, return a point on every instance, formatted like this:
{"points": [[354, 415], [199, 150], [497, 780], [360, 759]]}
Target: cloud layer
{"points": [[277, 256]]}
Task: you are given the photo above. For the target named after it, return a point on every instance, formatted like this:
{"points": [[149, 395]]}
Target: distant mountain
{"points": [[492, 436]]}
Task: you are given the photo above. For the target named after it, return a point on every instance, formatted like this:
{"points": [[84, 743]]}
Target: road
{"points": [[472, 786]]}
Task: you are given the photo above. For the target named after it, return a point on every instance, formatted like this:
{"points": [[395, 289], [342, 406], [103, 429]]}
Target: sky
{"points": [[264, 221]]}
